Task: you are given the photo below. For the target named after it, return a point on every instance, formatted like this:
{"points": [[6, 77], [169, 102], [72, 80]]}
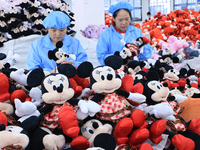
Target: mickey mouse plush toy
{"points": [[166, 107], [56, 90], [59, 56], [114, 106]]}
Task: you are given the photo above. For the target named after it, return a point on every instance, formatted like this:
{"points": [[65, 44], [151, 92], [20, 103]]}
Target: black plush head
{"points": [[103, 79], [154, 91]]}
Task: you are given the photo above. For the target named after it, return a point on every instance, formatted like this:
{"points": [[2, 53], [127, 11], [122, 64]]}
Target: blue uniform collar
{"points": [[127, 34], [48, 44], [130, 28]]}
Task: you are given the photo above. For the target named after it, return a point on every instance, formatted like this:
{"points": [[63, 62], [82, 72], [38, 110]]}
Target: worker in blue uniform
{"points": [[119, 33], [56, 24]]}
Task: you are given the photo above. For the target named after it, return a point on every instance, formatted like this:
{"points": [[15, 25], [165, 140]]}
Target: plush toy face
{"points": [[106, 81], [60, 55], [13, 135], [172, 75], [94, 127], [167, 60], [159, 92], [125, 53], [175, 92], [56, 89], [133, 71], [191, 91]]}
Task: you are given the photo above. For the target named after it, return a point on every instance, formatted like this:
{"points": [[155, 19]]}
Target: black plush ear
{"points": [[114, 61], [175, 59], [117, 53], [105, 141], [182, 72], [51, 55], [59, 44], [142, 64], [67, 69], [35, 77], [2, 56], [84, 69], [152, 75], [190, 71], [2, 127]]}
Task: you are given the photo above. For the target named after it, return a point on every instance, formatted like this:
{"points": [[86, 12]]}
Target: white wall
{"points": [[87, 12]]}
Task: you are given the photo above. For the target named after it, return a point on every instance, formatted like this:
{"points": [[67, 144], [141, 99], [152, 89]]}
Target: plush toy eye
{"points": [[53, 85], [89, 130], [10, 129], [95, 125], [158, 87], [102, 76]]}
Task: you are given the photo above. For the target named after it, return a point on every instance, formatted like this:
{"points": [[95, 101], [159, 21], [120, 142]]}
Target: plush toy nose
{"points": [[60, 89], [165, 84], [109, 76]]}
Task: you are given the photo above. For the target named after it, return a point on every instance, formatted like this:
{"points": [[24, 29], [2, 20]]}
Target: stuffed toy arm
{"points": [[46, 109], [135, 97], [12, 59], [177, 97], [161, 110], [19, 76], [88, 107], [36, 95], [72, 56]]}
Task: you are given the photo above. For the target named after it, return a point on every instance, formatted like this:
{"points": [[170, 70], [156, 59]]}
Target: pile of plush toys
{"points": [[126, 104], [93, 31], [183, 24], [23, 17]]}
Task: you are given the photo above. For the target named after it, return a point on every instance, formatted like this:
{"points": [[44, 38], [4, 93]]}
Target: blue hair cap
{"points": [[56, 19], [120, 5]]}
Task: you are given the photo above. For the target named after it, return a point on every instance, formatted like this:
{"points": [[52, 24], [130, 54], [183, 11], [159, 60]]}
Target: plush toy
{"points": [[14, 137], [131, 50], [60, 57], [190, 52], [30, 117], [56, 90], [114, 106], [127, 54], [90, 32], [140, 42], [93, 128], [166, 107]]}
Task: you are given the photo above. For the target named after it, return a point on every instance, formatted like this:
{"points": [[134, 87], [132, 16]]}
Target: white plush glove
{"points": [[36, 95], [19, 76], [142, 107], [85, 93], [180, 98], [13, 59], [136, 97], [87, 108], [121, 74], [72, 56], [82, 105], [80, 115], [93, 107], [161, 110]]}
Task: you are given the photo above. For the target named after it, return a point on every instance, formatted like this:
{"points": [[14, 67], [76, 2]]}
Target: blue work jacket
{"points": [[38, 54], [111, 41]]}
